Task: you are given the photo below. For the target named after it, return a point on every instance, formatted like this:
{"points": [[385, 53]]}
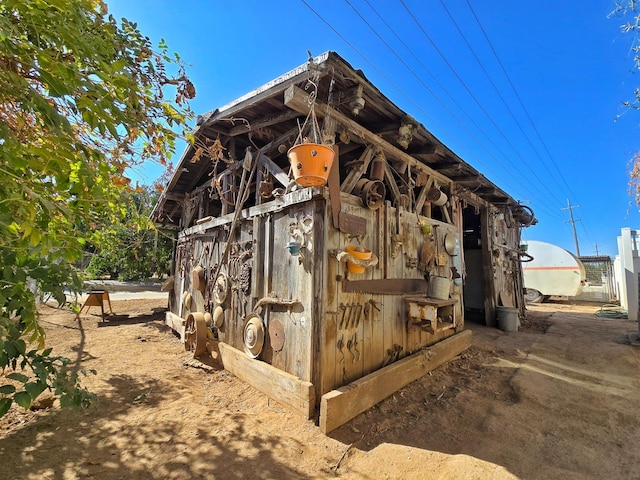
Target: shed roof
{"points": [[261, 118]]}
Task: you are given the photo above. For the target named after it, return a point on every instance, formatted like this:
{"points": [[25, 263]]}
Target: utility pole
{"points": [[573, 224]]}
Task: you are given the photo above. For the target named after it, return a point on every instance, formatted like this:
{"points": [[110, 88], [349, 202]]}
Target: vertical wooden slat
{"points": [[490, 287]]}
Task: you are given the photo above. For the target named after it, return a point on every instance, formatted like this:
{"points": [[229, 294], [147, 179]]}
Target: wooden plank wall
{"points": [[291, 278], [364, 331], [331, 337]]}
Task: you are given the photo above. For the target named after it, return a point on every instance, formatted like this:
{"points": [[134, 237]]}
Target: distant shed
{"points": [[329, 298]]}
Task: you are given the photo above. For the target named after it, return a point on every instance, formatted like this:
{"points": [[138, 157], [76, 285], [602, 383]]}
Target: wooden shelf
{"points": [[431, 315], [437, 302]]}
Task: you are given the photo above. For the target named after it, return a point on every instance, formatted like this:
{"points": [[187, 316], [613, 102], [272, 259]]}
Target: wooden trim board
{"points": [[283, 387], [339, 406], [176, 323]]}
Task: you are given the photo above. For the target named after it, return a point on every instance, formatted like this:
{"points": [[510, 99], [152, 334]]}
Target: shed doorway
{"points": [[474, 293]]}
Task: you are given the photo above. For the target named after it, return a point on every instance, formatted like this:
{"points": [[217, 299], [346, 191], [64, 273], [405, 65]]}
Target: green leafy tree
{"points": [[133, 249], [628, 12], [82, 98]]}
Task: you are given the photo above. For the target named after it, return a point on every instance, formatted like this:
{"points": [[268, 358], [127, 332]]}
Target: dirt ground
{"points": [[558, 399]]}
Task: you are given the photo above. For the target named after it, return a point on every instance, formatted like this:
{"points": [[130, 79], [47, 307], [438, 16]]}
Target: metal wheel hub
{"points": [[253, 335]]}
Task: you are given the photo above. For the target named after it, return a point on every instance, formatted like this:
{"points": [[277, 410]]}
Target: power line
{"points": [[515, 91], [497, 90], [382, 74], [435, 96], [426, 87], [475, 99]]}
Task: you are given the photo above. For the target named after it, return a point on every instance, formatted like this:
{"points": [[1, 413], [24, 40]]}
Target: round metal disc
{"points": [[221, 288], [253, 335], [186, 300], [276, 335], [450, 243]]}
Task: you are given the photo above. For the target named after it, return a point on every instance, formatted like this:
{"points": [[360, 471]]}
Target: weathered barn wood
{"points": [[341, 405], [286, 388], [309, 288]]}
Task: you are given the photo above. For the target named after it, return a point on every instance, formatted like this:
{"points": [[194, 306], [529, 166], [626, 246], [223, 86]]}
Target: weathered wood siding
{"points": [[259, 266], [366, 330]]}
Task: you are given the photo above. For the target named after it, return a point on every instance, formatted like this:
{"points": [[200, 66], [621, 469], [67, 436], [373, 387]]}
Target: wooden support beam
{"points": [[275, 170], [176, 197], [431, 158], [445, 212], [467, 179], [354, 174], [334, 188], [283, 387], [296, 99], [395, 191], [422, 196], [339, 406], [176, 323], [386, 286], [267, 122], [175, 210]]}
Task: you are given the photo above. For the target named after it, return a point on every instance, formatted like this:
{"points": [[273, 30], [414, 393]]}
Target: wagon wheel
{"points": [[195, 334]]}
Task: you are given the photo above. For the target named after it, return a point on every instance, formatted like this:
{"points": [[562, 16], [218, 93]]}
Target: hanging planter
{"points": [[311, 163], [310, 159]]}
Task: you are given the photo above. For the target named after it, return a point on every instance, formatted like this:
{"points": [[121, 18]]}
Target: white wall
{"points": [[627, 268]]}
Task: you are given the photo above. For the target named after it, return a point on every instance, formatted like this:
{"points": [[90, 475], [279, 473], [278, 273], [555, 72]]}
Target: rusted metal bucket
{"points": [[440, 285]]}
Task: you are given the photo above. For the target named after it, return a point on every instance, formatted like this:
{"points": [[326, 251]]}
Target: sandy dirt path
{"points": [[558, 399]]}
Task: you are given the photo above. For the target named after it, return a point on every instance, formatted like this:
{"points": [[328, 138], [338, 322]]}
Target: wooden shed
{"points": [[330, 294]]}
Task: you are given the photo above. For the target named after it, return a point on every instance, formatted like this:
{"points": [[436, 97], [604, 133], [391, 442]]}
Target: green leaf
{"points": [[5, 405], [4, 360], [35, 389], [35, 237], [19, 377], [57, 88], [7, 389], [84, 81], [23, 399], [20, 344]]}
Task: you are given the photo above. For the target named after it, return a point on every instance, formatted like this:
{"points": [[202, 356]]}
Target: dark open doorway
{"points": [[474, 288]]}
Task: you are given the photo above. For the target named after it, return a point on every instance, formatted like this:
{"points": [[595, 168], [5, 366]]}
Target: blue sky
{"points": [[570, 66]]}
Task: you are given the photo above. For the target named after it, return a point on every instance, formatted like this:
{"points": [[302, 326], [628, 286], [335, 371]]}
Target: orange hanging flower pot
{"points": [[311, 163]]}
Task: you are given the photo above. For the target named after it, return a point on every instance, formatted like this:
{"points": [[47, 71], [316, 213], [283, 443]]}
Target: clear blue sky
{"points": [[570, 66]]}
